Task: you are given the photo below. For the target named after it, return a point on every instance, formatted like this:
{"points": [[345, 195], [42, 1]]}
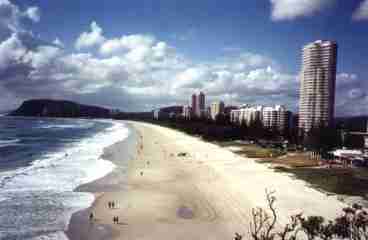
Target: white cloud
{"points": [[344, 83], [291, 9], [92, 38], [346, 76], [140, 65], [361, 13], [137, 72], [192, 78], [14, 52], [351, 94], [42, 56], [134, 42], [33, 13], [345, 79], [267, 79], [58, 42], [11, 51], [11, 16], [356, 93]]}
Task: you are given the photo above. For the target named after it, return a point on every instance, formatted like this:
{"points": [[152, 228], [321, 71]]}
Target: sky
{"points": [[142, 54]]}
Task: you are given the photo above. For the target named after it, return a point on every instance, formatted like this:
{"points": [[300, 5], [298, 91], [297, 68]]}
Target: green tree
{"points": [[322, 139]]}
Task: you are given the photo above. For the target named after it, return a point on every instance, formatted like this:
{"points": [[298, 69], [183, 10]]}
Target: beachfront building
{"points": [[201, 105], [187, 112], [246, 114], [228, 109], [216, 109], [277, 117], [165, 113], [156, 113], [317, 84], [194, 105], [364, 135], [207, 113]]}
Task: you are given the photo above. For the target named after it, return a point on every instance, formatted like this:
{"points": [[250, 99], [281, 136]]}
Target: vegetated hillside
{"points": [[172, 109], [59, 108], [133, 116]]}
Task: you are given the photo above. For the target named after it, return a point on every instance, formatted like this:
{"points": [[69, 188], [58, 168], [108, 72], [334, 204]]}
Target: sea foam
{"points": [[49, 182]]}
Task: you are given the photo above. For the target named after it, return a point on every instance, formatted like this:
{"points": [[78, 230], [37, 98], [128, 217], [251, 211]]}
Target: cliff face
{"points": [[59, 108]]}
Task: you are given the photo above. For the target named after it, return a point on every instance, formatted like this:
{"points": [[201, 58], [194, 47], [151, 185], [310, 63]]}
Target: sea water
{"points": [[41, 162]]}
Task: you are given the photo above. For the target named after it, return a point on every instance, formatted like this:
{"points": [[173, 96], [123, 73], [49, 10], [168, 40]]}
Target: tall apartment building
{"points": [[317, 84], [216, 109], [194, 105], [201, 105]]}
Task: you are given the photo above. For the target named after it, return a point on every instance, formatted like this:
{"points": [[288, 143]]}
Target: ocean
{"points": [[41, 162]]}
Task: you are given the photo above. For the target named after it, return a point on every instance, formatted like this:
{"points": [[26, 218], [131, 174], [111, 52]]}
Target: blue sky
{"points": [[136, 55]]}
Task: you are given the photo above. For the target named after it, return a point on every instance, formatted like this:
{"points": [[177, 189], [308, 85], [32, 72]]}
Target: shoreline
{"points": [[208, 193], [79, 226]]}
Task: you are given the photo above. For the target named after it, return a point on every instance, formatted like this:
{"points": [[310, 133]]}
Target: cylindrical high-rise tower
{"points": [[317, 84]]}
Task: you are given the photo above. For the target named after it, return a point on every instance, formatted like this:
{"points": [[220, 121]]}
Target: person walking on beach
{"points": [[91, 217], [238, 236], [112, 204], [109, 204]]}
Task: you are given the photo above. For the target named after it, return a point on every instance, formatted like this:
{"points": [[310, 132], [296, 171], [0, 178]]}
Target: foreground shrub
{"points": [[352, 224]]}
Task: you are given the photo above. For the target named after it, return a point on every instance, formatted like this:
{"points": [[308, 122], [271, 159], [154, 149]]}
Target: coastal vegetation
{"points": [[352, 224], [292, 160], [255, 151]]}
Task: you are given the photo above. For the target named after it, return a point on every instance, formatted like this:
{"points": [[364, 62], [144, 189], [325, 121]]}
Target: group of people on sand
{"points": [[112, 204], [115, 220]]}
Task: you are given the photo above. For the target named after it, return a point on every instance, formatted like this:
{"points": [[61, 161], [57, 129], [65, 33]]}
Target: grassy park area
{"points": [[351, 181], [251, 150], [293, 160], [269, 154]]}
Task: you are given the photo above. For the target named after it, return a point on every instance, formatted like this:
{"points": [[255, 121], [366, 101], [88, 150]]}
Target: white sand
{"points": [[206, 195]]}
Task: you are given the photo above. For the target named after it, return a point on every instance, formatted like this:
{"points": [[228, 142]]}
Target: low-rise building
{"points": [[187, 112], [246, 114], [276, 117], [228, 109], [216, 109], [167, 112]]}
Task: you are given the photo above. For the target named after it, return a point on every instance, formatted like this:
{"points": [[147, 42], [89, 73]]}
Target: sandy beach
{"points": [[206, 194]]}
